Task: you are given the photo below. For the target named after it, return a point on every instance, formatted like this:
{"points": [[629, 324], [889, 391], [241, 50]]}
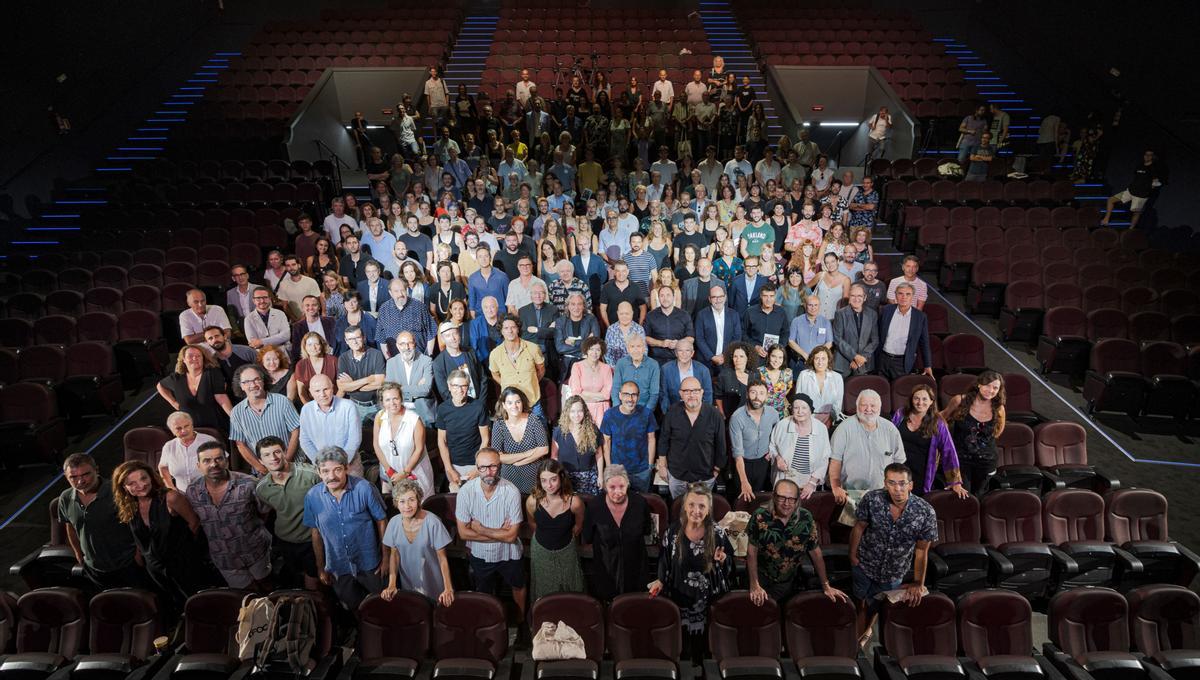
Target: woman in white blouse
{"points": [[822, 385], [177, 464], [799, 448]]}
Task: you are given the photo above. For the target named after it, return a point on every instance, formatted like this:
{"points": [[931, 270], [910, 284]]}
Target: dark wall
{"points": [[105, 47], [1058, 55]]}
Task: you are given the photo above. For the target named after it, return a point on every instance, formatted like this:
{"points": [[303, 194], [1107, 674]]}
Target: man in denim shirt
{"points": [[347, 519], [893, 529]]}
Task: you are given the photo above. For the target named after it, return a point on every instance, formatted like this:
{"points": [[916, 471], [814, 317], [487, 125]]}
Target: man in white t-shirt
{"points": [[664, 87], [524, 85], [200, 315], [1047, 139], [738, 166], [664, 166], [295, 286], [437, 97], [695, 90], [878, 128], [332, 224]]}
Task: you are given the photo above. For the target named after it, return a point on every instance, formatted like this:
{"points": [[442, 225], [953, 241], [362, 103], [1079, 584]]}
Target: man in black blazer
{"points": [[572, 328], [456, 356], [537, 319], [903, 331], [311, 306], [746, 289]]}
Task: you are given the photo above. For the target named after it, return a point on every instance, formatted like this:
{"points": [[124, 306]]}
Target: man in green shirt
{"points": [[779, 533], [756, 234], [102, 544], [283, 489]]}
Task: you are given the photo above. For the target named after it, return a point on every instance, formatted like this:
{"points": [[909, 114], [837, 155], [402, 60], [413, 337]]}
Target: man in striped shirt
{"points": [[912, 264], [641, 264], [261, 414], [488, 513]]}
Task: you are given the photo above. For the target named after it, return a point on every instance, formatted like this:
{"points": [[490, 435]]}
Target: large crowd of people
{"points": [[531, 326]]}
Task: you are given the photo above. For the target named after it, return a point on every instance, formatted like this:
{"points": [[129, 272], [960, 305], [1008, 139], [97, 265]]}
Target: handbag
{"points": [[557, 642], [734, 523], [254, 625], [847, 518]]}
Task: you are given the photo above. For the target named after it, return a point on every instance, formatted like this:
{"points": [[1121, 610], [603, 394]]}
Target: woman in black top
{"points": [[744, 102], [445, 291], [976, 420], [556, 516], [616, 525], [166, 531], [197, 387], [732, 379]]}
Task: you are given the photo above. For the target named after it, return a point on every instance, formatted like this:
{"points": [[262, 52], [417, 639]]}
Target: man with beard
{"points": [[401, 314], [260, 415], [615, 525], [347, 519], [312, 321], [862, 447], [283, 490], [489, 514], [103, 545], [779, 533], [456, 357], [691, 447], [228, 355], [573, 327], [413, 372], [295, 286], [750, 436], [232, 518], [893, 531], [267, 325]]}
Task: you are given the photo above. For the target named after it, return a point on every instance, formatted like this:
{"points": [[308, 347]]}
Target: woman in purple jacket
{"points": [[927, 442]]}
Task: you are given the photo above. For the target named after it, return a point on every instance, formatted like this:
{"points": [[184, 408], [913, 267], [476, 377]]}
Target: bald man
{"points": [[691, 447], [330, 420]]}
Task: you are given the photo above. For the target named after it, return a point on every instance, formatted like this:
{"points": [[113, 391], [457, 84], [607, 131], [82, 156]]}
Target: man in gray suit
{"points": [[855, 335], [267, 325], [413, 372]]}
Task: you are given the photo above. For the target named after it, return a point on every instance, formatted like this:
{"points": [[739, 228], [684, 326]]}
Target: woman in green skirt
{"points": [[556, 514]]}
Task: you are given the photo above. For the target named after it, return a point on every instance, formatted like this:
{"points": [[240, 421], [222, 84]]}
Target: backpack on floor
{"points": [[292, 632]]}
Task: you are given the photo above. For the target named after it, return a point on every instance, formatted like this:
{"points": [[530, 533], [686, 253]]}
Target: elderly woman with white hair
{"points": [[799, 447], [616, 523], [177, 464], [862, 447]]}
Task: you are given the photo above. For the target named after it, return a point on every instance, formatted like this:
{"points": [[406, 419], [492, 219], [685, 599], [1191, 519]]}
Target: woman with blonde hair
{"points": [[658, 243], [860, 238], [315, 357], [555, 515], [835, 240], [197, 387], [333, 294], [166, 531]]}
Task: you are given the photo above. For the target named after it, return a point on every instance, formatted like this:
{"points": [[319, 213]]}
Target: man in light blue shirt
{"points": [[810, 329], [329, 420], [487, 282], [511, 164], [381, 242], [637, 368]]}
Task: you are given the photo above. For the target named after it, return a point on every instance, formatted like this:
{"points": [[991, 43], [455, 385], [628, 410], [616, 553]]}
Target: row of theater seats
{"points": [[1159, 378], [911, 184], [146, 286]]}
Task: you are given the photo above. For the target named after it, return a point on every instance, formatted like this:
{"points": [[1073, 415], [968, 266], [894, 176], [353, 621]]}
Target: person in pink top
{"points": [[591, 378]]}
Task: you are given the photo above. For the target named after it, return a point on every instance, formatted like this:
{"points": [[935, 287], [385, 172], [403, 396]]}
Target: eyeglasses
{"points": [[251, 381], [786, 500], [691, 391], [462, 386], [631, 395], [488, 467]]}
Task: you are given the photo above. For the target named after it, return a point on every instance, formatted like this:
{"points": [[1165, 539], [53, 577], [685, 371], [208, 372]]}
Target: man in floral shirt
{"points": [[779, 533], [862, 206], [894, 529]]}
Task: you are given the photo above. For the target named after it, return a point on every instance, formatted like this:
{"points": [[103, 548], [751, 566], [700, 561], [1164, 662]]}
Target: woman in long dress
{"points": [[399, 440]]}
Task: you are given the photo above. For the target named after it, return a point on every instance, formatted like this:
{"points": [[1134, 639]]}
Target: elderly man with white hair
{"points": [[566, 285], [862, 447]]}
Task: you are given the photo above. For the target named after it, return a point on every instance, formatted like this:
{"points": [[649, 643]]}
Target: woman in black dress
{"points": [[616, 524], [197, 387], [976, 420], [167, 533]]}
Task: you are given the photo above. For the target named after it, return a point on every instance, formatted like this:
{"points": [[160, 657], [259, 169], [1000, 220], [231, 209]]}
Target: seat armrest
{"points": [[940, 567], [1065, 562], [1000, 564], [886, 667], [1128, 561], [1062, 662]]}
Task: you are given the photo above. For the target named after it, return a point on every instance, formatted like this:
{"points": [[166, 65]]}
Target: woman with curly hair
{"points": [[591, 379], [315, 357], [276, 363], [729, 387], [577, 444], [166, 531], [976, 420], [927, 443], [777, 377]]}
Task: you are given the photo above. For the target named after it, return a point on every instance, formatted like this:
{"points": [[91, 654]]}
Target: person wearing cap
{"points": [[455, 357], [799, 448]]}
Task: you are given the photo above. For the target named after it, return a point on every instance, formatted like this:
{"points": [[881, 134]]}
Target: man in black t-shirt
{"points": [[691, 237], [462, 427], [621, 289], [1147, 176]]}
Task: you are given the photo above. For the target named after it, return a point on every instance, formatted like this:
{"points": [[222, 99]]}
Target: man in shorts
{"points": [[1147, 176], [283, 490]]}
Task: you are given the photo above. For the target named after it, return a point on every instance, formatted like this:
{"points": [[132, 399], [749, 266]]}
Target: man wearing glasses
{"points": [[893, 530], [779, 533], [240, 298], [267, 325], [692, 446], [629, 434], [260, 415], [462, 426]]}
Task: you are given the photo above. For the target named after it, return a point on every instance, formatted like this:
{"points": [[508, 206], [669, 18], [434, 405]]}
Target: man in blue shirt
{"points": [[809, 330], [329, 420], [347, 519], [381, 243], [629, 436], [643, 371], [487, 282]]}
